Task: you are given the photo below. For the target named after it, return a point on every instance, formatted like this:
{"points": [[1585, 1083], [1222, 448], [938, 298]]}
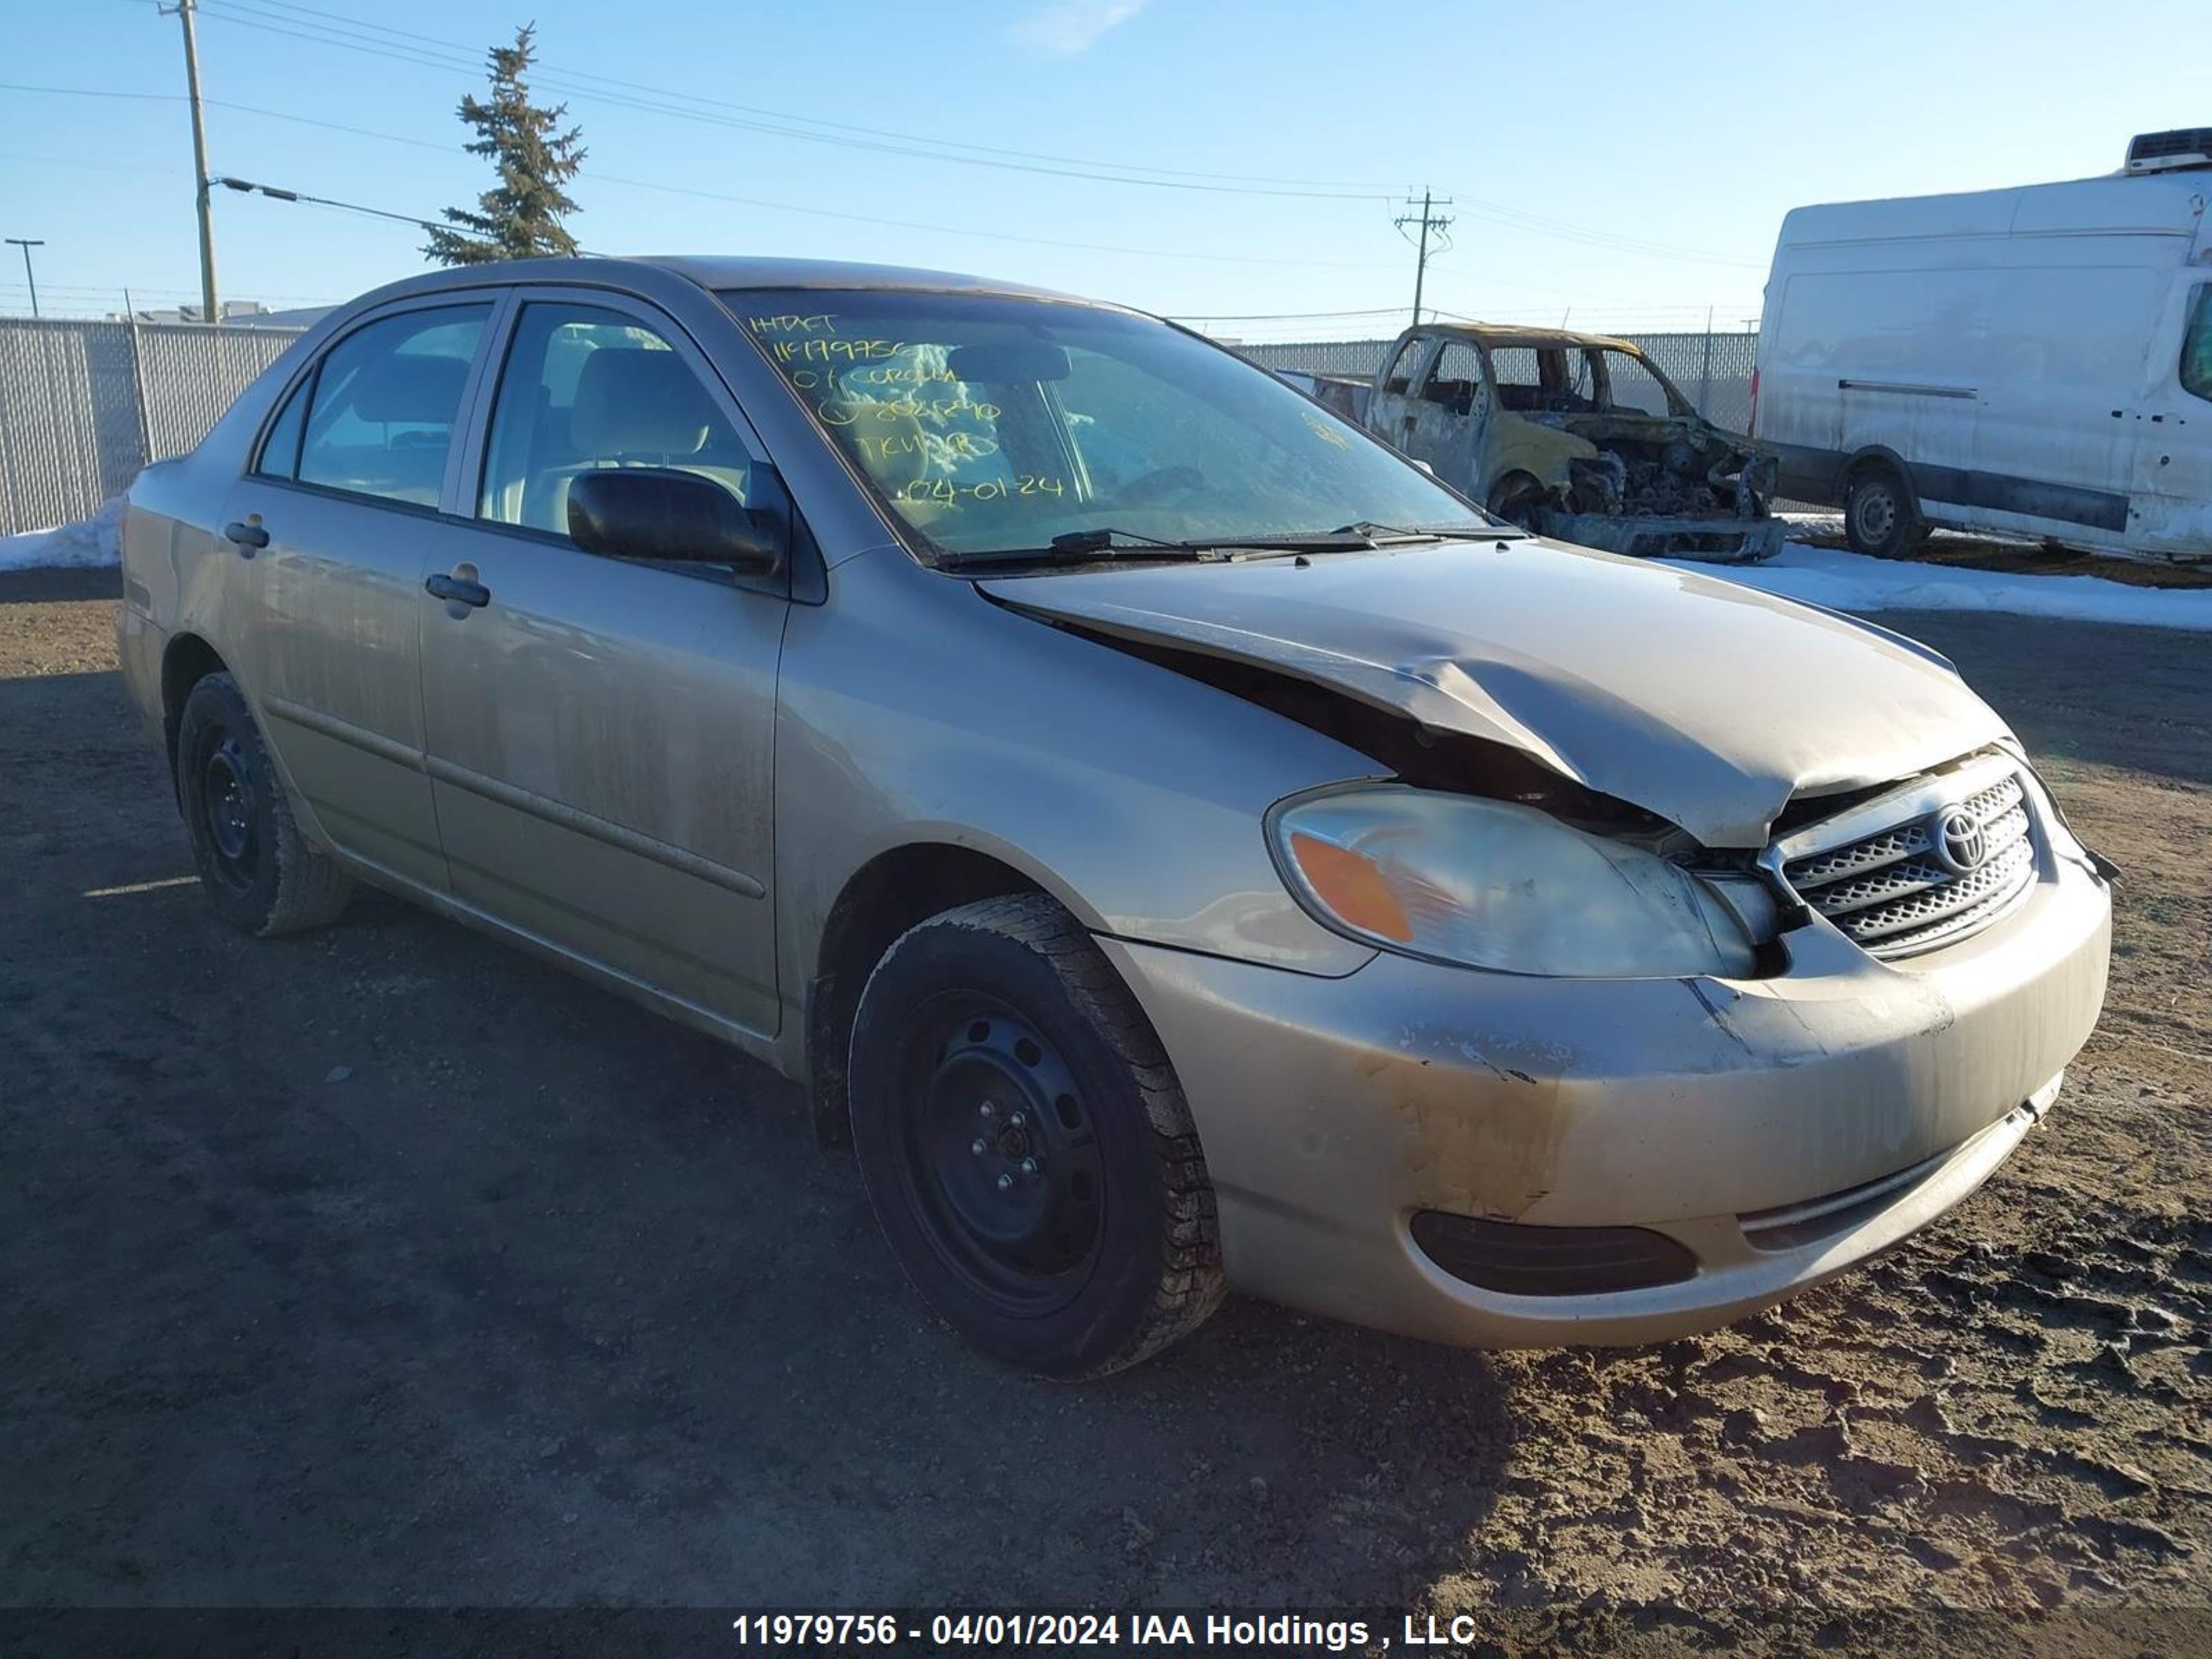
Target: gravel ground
{"points": [[386, 1266]]}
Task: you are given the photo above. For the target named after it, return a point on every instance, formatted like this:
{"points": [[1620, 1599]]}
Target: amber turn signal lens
{"points": [[1352, 887]]}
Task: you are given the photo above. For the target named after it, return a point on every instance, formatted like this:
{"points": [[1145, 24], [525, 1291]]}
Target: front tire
{"points": [[1881, 515], [1025, 1144], [1515, 498], [260, 872]]}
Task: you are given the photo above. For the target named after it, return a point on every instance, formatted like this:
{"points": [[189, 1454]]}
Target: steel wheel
{"points": [[226, 807], [1001, 1161], [261, 874], [1025, 1144], [1881, 518]]}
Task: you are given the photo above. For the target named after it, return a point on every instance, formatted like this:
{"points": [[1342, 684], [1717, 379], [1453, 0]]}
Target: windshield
{"points": [[990, 424]]}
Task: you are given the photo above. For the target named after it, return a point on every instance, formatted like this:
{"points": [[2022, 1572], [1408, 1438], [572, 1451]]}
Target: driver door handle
{"points": [[458, 591], [246, 533]]}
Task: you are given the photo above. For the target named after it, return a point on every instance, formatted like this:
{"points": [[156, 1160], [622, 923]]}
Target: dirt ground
{"points": [[386, 1266]]}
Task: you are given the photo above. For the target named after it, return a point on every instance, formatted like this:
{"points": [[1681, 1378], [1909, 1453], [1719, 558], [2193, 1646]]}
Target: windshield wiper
{"points": [[1100, 544], [1105, 543], [1427, 532], [1076, 544]]}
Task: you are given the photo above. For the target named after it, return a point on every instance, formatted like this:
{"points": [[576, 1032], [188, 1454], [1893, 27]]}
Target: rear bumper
{"points": [[1781, 1130]]}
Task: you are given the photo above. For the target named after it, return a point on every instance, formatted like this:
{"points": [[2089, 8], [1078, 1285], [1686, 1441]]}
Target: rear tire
{"points": [[260, 872], [1026, 1146], [1881, 515]]}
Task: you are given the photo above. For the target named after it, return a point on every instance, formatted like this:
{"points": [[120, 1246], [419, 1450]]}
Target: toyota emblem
{"points": [[1959, 842]]}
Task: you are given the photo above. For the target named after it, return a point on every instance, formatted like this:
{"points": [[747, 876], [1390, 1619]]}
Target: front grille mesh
{"points": [[1893, 893]]}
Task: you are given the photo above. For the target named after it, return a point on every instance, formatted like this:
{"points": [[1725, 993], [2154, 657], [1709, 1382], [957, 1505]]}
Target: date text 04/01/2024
{"points": [[1197, 1632]]}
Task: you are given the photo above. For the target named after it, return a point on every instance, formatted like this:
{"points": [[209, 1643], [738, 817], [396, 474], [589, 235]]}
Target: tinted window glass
{"points": [[989, 424], [2197, 346], [385, 400], [586, 387], [280, 455]]}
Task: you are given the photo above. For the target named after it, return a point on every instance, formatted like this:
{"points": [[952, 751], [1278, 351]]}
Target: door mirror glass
{"points": [[672, 516]]}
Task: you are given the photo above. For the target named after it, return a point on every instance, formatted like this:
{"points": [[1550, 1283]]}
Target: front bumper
{"points": [[1718, 538], [1722, 1115]]}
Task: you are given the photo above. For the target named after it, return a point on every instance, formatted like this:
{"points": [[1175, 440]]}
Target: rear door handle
{"points": [[457, 590], [247, 533]]}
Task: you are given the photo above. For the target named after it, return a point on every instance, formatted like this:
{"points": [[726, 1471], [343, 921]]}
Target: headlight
{"points": [[1485, 884]]}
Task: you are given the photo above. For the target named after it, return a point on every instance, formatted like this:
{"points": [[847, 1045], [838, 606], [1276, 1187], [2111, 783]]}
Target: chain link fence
{"points": [[1713, 371], [83, 405]]}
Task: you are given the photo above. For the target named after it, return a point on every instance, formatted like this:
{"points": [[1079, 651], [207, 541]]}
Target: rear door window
{"points": [[1519, 377], [385, 400]]}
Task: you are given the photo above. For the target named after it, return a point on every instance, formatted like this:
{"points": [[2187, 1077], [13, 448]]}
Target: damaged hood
{"points": [[1704, 702]]}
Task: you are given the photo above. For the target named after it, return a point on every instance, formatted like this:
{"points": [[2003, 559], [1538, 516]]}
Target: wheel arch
{"points": [[186, 661], [891, 892], [1868, 457]]}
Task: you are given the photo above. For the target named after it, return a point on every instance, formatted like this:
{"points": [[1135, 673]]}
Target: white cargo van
{"points": [[2032, 361]]}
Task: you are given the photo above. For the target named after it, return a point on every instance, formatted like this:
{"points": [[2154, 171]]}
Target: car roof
{"points": [[733, 270], [714, 271], [1505, 334]]}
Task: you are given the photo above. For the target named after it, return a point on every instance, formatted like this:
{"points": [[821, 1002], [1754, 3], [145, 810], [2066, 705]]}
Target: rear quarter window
{"points": [[280, 450]]}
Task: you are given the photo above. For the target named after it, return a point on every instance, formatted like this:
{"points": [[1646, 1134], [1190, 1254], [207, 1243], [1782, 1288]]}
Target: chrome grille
{"points": [[1895, 892]]}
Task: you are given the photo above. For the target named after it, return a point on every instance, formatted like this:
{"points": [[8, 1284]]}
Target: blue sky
{"points": [[1625, 165]]}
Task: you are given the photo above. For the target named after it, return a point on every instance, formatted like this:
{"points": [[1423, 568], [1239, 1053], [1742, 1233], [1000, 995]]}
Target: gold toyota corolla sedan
{"points": [[1181, 843]]}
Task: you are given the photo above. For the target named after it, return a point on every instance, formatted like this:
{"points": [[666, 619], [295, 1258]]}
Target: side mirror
{"points": [[665, 514]]}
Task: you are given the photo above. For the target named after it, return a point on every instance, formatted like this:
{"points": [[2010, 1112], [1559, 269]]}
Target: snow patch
{"points": [[1852, 581], [90, 543]]}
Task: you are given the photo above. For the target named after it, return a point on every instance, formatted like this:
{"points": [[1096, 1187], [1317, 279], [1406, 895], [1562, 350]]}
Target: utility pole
{"points": [[27, 245], [1428, 219], [183, 10]]}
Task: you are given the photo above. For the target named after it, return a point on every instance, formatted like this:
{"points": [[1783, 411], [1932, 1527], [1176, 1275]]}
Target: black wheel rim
{"points": [[1001, 1162], [227, 811]]}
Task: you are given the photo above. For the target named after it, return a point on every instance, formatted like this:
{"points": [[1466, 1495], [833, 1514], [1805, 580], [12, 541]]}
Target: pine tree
{"points": [[520, 218]]}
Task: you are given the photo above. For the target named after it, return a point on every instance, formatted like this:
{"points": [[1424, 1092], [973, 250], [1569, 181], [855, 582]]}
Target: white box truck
{"points": [[2034, 362]]}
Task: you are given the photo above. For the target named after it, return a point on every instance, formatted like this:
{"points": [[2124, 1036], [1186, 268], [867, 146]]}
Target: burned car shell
{"points": [[1608, 475], [1117, 737]]}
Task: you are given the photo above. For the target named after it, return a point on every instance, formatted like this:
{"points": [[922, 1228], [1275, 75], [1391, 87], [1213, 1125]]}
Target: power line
{"points": [[278, 194], [664, 102], [590, 176], [1498, 213], [356, 26]]}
